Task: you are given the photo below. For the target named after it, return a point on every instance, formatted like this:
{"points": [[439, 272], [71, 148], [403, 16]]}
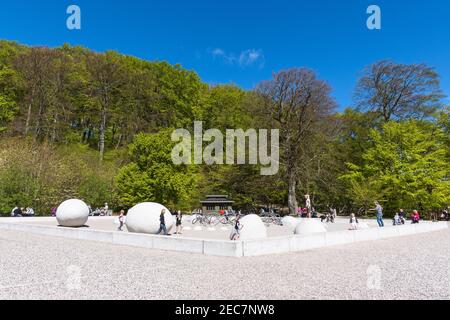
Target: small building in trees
{"points": [[215, 203]]}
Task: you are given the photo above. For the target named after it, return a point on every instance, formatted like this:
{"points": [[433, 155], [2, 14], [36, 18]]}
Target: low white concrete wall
{"points": [[178, 244], [313, 241], [133, 240], [266, 246], [247, 248], [223, 248]]}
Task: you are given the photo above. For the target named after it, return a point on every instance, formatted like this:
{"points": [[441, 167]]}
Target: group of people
{"points": [[178, 222], [22, 212], [399, 218], [162, 222]]}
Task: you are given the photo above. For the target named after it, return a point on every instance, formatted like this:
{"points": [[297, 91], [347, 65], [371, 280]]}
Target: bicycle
{"points": [[202, 219]]}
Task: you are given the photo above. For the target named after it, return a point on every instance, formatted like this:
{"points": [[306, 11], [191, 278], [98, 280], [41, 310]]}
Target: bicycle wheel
{"points": [[214, 221]]}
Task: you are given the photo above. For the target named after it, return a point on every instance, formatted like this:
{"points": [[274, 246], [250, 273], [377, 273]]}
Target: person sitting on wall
{"points": [[396, 221], [29, 212], [18, 212], [415, 217], [402, 216]]}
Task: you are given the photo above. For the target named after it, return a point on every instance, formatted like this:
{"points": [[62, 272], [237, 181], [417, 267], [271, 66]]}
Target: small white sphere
{"points": [[144, 218], [72, 213], [252, 228], [290, 222], [309, 226]]}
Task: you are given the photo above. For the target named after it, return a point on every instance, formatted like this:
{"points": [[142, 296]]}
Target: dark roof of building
{"points": [[217, 199]]}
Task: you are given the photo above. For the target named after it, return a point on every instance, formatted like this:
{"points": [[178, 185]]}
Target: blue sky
{"points": [[244, 42]]}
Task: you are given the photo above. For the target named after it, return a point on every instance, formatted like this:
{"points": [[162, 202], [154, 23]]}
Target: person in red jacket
{"points": [[415, 217]]}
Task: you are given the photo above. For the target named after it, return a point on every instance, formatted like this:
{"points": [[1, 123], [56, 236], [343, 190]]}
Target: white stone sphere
{"points": [[144, 218], [72, 213], [290, 222], [309, 226], [252, 228]]}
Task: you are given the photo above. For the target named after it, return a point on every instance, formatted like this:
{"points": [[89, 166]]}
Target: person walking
{"points": [[121, 220], [162, 223], [379, 210], [236, 232], [179, 222]]}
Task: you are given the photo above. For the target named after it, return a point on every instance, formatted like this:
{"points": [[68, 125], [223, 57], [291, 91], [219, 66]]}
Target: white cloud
{"points": [[251, 57], [246, 58]]}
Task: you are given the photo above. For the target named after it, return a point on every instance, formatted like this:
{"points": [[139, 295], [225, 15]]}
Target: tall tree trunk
{"points": [[27, 122], [102, 135], [39, 121], [292, 197], [54, 129], [119, 142]]}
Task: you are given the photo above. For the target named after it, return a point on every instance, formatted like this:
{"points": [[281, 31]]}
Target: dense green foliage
{"points": [[152, 174], [405, 165], [96, 126]]}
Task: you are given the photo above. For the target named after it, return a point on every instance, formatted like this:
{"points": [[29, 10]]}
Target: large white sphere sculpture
{"points": [[72, 213], [252, 228], [290, 222], [309, 226], [144, 218]]}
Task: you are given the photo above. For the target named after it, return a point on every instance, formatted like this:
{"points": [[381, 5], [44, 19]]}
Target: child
{"points": [[235, 233], [397, 221], [353, 222], [121, 219], [179, 219], [415, 217]]}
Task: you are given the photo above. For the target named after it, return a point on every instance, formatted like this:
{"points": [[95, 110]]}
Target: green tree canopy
{"points": [[405, 166], [151, 175]]}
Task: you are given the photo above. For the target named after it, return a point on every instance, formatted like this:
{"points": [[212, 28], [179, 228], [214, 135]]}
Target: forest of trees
{"points": [[97, 126]]}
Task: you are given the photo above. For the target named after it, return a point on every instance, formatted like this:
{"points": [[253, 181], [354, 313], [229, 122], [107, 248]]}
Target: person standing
{"points": [[379, 210], [121, 220], [308, 204], [353, 222], [179, 222], [162, 223]]}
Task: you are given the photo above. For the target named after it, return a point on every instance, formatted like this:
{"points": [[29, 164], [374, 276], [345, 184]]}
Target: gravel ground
{"points": [[38, 267]]}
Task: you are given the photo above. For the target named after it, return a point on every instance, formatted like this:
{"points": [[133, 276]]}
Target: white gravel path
{"points": [[37, 267]]}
